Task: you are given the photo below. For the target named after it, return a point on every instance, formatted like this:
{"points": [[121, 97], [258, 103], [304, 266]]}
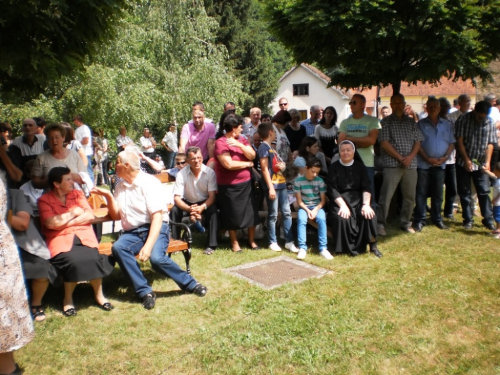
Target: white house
{"points": [[304, 86]]}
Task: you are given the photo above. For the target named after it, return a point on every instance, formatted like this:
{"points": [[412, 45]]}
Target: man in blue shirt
{"points": [[311, 122], [434, 151]]}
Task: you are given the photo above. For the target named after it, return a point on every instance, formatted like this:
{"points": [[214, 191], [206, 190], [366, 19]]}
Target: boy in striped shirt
{"points": [[310, 191]]}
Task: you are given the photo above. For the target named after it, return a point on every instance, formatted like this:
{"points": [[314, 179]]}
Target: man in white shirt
{"points": [[84, 136], [141, 205], [148, 144], [194, 195]]}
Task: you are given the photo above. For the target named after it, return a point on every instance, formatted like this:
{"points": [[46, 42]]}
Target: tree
{"points": [[254, 55], [44, 40], [163, 58], [371, 42]]}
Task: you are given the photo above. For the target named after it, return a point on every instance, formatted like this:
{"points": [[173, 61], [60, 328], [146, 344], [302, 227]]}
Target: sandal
{"points": [[209, 251], [106, 306], [38, 313], [253, 247], [237, 250], [69, 312]]}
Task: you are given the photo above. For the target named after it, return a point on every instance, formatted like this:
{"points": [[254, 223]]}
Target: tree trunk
{"points": [[396, 87]]}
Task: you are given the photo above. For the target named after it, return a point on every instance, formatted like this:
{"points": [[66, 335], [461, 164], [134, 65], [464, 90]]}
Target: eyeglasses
{"points": [[180, 163], [283, 104], [352, 102]]}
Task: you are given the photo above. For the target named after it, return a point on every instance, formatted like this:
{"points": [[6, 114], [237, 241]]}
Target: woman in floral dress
{"points": [[16, 325]]}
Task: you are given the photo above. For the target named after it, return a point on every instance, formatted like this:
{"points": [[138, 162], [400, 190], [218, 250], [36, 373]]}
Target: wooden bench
{"points": [[174, 246], [263, 214]]}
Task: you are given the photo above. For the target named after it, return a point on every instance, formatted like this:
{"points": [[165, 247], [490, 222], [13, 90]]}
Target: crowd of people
{"points": [[228, 177]]}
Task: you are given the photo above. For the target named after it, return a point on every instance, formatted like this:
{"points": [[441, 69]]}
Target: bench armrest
{"points": [[186, 236]]}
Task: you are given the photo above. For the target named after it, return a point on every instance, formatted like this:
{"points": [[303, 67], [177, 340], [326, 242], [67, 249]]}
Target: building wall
{"points": [[318, 94]]}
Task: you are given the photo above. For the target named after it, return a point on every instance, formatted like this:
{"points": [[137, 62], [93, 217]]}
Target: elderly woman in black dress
{"points": [[350, 215]]}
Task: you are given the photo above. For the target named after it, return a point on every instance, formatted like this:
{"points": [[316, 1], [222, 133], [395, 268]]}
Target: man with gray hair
{"points": [[251, 128], [141, 204], [312, 121], [494, 112]]}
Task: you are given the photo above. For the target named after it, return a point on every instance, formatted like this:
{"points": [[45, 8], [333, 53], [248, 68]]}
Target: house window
{"points": [[303, 114], [301, 89]]}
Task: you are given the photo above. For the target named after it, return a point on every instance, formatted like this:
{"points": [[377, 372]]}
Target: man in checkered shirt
{"points": [[399, 141], [476, 134]]}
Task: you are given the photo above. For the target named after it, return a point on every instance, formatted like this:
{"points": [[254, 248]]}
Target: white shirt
{"points": [[194, 189], [494, 114], [139, 200], [170, 140], [81, 132], [147, 144]]}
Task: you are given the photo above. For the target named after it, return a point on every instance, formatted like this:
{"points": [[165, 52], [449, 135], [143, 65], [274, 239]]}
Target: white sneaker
{"points": [[381, 230], [291, 246], [326, 254], [274, 247], [302, 254]]}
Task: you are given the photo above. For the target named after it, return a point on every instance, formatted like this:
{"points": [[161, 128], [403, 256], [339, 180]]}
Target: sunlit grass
{"points": [[429, 306]]}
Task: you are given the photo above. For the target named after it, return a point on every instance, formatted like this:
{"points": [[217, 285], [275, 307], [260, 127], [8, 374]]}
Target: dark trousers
{"points": [[429, 180], [210, 222], [482, 183], [450, 182]]}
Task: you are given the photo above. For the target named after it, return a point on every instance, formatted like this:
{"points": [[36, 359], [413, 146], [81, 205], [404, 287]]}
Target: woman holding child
{"points": [[65, 216], [350, 215], [235, 199]]}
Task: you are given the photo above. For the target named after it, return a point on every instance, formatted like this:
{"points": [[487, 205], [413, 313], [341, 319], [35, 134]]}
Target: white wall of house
{"points": [[318, 94]]}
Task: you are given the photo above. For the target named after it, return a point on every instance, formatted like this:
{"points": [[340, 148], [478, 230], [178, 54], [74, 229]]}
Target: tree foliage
{"points": [[370, 42], [44, 40], [254, 55], [163, 58]]}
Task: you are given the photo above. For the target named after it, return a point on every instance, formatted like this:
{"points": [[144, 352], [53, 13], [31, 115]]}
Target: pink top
{"points": [[198, 138], [225, 176]]}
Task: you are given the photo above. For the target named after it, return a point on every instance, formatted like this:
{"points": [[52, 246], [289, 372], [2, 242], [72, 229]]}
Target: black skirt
{"points": [[237, 206], [82, 263], [37, 268]]}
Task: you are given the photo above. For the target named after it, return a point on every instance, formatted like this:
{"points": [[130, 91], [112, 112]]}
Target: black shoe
{"points": [[440, 225], [418, 227], [149, 300], [490, 226], [376, 252], [468, 226], [450, 217], [106, 306], [200, 290], [354, 253]]}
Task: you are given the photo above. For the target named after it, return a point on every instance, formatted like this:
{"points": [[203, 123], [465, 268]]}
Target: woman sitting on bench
{"points": [[65, 217]]}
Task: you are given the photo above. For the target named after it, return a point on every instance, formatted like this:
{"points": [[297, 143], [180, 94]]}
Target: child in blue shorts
{"points": [[310, 191]]}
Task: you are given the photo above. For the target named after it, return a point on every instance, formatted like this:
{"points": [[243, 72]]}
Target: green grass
{"points": [[429, 306]]}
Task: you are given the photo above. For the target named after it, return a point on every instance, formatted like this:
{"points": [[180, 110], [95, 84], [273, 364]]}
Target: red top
{"points": [[61, 240], [225, 176]]}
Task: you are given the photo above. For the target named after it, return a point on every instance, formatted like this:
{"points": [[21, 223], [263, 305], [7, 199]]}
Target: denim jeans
{"points": [[302, 224], [281, 200], [429, 180], [130, 244], [482, 184], [90, 171], [170, 159], [450, 181]]}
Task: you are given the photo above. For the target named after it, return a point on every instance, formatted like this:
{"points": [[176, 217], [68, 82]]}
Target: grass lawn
{"points": [[429, 306]]}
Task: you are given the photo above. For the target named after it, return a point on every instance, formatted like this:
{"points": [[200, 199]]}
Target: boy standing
{"points": [[310, 192], [272, 172]]}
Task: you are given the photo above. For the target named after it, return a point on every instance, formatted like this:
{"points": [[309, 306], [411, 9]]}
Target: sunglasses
{"points": [[352, 102], [283, 104], [180, 163]]}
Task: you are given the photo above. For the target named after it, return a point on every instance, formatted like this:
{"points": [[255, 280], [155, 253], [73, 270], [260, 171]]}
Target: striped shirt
{"points": [[476, 137], [402, 134], [310, 190]]}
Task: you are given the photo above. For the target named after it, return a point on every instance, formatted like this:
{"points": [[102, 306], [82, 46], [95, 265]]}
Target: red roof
{"points": [[447, 87]]}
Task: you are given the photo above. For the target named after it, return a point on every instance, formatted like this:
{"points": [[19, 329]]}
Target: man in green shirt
{"points": [[362, 130]]}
